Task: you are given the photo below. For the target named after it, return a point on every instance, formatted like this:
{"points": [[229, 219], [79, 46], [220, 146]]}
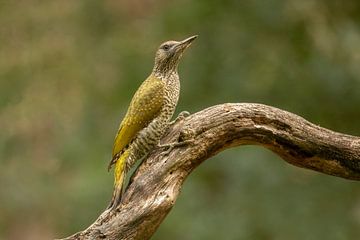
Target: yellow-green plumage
{"points": [[149, 113], [144, 107]]}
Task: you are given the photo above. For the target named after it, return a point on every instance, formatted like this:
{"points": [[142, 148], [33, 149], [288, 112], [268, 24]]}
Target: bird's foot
{"points": [[180, 117], [170, 146]]}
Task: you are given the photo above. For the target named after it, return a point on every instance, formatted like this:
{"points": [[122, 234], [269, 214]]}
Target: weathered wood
{"points": [[156, 184]]}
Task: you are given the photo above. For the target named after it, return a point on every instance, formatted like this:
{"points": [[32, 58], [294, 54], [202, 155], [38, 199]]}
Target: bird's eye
{"points": [[166, 47]]}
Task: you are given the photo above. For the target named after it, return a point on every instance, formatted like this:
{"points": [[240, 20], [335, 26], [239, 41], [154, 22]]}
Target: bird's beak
{"points": [[185, 43]]}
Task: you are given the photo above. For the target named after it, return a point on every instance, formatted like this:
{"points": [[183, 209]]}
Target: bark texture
{"points": [[156, 184]]}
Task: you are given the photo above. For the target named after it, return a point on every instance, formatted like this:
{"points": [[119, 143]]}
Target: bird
{"points": [[149, 114]]}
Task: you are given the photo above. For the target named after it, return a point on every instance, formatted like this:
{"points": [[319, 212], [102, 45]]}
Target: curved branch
{"points": [[156, 184]]}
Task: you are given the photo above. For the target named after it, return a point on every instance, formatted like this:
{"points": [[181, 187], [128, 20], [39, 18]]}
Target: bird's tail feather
{"points": [[119, 184]]}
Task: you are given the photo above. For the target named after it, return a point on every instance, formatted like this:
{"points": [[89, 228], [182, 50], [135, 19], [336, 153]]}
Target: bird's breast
{"points": [[172, 89]]}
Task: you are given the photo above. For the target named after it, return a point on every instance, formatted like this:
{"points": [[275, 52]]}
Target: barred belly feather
{"points": [[150, 136]]}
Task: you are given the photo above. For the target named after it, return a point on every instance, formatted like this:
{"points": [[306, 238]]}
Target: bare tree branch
{"points": [[156, 184]]}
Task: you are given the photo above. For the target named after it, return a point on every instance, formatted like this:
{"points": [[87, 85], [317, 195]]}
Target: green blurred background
{"points": [[68, 70]]}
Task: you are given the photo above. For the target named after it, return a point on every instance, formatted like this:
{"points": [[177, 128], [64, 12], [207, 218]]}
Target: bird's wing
{"points": [[144, 107]]}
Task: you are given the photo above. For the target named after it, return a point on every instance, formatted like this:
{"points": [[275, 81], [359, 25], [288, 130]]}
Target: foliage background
{"points": [[69, 68]]}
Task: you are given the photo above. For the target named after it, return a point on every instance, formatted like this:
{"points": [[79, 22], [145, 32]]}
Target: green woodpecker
{"points": [[149, 113]]}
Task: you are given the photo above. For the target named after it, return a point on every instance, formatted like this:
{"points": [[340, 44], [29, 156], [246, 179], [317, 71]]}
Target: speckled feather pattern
{"points": [[146, 120], [150, 136], [144, 107]]}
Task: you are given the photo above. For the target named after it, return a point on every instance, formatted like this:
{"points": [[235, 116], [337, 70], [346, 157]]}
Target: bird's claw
{"points": [[171, 146], [181, 116]]}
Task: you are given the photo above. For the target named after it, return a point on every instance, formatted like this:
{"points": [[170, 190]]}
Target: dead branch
{"points": [[156, 184]]}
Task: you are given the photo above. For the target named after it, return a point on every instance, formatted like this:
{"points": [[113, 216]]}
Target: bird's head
{"points": [[168, 56]]}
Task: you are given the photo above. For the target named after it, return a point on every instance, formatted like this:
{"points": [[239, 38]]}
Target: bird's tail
{"points": [[119, 183]]}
